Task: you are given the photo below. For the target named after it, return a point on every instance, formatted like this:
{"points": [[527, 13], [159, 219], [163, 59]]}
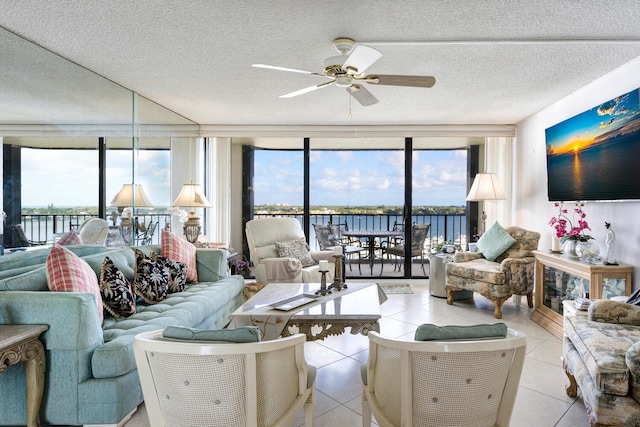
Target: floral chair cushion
{"points": [[602, 348]]}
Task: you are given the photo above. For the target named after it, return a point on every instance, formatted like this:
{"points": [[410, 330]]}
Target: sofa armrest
{"points": [[281, 268], [72, 317], [510, 264], [607, 311], [632, 359], [211, 264], [519, 274], [466, 256]]}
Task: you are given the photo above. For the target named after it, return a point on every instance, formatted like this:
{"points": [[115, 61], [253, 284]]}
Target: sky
{"points": [[586, 128], [361, 178], [70, 177], [338, 178]]}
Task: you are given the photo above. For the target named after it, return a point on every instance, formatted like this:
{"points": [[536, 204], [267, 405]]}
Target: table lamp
{"points": [[126, 199], [191, 196], [485, 187]]}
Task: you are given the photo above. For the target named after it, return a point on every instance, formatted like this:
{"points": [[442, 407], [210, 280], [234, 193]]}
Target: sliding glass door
{"points": [[399, 199]]}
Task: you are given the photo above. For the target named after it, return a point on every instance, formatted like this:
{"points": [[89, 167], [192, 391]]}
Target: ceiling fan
{"points": [[348, 70]]}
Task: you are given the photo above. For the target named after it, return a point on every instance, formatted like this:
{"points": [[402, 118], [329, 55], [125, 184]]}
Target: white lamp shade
{"points": [[191, 196], [125, 197], [485, 187]]}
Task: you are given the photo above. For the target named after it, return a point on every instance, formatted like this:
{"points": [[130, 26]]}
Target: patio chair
{"points": [[211, 383], [22, 237], [145, 237], [468, 382], [419, 234], [338, 229], [329, 236]]}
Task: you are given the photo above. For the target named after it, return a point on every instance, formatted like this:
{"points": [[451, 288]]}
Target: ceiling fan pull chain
{"points": [[350, 105]]}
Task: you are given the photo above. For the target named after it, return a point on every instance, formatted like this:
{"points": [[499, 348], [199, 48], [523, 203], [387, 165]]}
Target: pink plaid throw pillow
{"points": [[175, 248], [67, 272], [69, 238]]}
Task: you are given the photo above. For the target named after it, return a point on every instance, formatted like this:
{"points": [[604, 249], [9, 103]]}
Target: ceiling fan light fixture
{"points": [[344, 81], [344, 45]]}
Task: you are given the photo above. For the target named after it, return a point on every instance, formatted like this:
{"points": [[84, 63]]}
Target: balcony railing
{"points": [[45, 227], [444, 227]]}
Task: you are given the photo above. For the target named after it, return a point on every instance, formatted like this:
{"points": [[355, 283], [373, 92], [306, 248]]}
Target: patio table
{"points": [[371, 236]]}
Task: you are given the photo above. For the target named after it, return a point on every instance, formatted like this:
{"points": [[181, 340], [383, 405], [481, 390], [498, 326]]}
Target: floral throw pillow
{"points": [[177, 273], [151, 279], [117, 294], [173, 247], [296, 249]]}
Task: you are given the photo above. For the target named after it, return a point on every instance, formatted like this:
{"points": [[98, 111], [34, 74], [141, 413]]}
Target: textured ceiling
{"points": [[495, 62]]}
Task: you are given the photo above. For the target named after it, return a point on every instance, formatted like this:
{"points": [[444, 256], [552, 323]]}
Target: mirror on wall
{"points": [[69, 138]]}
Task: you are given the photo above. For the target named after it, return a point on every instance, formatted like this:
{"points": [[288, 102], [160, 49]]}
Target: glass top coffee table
{"points": [[280, 308]]}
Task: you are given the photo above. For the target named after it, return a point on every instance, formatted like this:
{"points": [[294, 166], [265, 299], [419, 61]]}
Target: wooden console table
{"points": [[559, 278], [19, 343]]}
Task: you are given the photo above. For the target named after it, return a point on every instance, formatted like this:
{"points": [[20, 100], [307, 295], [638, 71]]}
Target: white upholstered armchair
{"points": [[280, 253]]}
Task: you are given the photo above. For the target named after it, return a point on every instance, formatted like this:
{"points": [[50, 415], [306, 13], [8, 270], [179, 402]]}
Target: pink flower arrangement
{"points": [[566, 229]]}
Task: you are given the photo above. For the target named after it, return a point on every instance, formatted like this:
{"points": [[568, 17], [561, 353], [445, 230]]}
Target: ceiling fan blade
{"points": [[362, 95], [361, 58], [291, 70], [305, 90], [391, 80]]}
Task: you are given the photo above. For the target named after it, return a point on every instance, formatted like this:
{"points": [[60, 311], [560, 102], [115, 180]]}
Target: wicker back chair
{"points": [[200, 383], [442, 383]]}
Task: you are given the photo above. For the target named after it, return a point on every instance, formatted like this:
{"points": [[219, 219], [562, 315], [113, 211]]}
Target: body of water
{"points": [[605, 172]]}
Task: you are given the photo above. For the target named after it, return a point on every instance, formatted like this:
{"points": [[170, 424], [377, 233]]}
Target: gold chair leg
{"points": [[497, 302], [572, 388]]}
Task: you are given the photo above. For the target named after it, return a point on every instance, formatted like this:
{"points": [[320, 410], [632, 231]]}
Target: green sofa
{"points": [[91, 375]]}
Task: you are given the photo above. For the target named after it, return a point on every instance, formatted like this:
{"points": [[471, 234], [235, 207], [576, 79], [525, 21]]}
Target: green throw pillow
{"points": [[428, 332], [494, 242], [242, 334]]}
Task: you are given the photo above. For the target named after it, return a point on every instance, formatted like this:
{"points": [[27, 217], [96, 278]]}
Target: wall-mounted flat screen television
{"points": [[596, 154]]}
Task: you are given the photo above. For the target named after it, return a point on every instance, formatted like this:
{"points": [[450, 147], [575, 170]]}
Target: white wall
{"points": [[530, 206]]}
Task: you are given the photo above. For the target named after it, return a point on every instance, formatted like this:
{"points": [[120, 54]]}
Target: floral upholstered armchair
{"points": [[502, 268]]}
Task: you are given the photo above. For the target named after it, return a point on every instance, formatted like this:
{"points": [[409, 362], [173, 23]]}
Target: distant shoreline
{"points": [[262, 210]]}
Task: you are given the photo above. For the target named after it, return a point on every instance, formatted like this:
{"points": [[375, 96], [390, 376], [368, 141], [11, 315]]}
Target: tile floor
{"points": [[541, 400]]}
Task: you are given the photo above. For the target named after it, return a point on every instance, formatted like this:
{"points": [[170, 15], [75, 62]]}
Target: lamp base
{"points": [[126, 229], [192, 228]]}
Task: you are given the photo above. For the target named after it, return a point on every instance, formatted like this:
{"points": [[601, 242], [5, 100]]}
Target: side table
{"points": [[19, 343], [438, 277]]}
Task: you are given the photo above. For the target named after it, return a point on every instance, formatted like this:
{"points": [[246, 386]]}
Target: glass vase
{"points": [[587, 251], [569, 249]]}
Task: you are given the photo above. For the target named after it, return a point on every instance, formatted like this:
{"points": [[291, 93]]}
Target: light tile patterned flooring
{"points": [[541, 399]]}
